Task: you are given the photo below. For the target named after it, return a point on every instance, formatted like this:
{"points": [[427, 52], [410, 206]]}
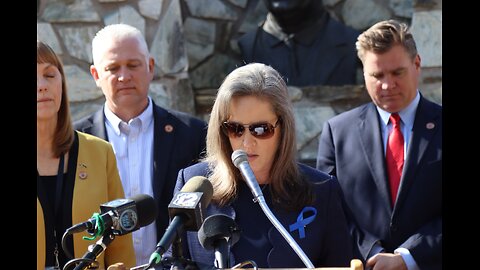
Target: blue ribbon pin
{"points": [[303, 222]]}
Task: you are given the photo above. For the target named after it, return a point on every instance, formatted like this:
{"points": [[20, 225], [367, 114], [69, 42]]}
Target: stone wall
{"points": [[194, 46]]}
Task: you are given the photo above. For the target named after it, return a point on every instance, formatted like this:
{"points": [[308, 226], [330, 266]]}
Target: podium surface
{"points": [[355, 264]]}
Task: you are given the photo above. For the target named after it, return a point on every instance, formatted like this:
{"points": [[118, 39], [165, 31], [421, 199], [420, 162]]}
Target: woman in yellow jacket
{"points": [[76, 172]]}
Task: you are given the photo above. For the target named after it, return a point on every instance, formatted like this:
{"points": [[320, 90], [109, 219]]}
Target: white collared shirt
{"points": [[133, 146]]}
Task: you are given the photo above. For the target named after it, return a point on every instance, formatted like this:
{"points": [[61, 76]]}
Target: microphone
{"points": [[240, 160], [118, 217], [219, 232], [121, 215], [186, 212]]}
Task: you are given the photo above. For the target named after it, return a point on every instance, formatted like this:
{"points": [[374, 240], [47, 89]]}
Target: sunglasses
{"points": [[260, 130]]}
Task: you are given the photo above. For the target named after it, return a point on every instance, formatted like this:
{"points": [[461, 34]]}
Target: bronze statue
{"points": [[301, 40]]}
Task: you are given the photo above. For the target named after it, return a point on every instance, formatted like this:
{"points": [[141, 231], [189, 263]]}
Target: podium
{"points": [[355, 264]]}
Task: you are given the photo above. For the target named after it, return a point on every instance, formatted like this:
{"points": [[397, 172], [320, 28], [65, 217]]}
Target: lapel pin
{"points": [[430, 125], [168, 128]]}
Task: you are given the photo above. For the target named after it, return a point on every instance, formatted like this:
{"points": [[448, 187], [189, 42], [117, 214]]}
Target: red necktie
{"points": [[394, 156]]}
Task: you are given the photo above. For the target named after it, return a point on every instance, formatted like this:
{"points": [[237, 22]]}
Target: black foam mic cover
{"points": [[218, 227], [146, 209]]}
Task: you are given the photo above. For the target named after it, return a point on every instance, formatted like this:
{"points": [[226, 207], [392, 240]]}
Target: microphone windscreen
{"points": [[238, 156], [146, 209], [218, 227], [200, 184]]}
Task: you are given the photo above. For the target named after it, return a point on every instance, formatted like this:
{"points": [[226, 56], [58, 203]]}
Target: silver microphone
{"points": [[240, 160]]}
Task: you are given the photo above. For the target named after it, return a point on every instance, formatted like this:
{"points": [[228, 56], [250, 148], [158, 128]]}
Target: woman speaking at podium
{"points": [[252, 112]]}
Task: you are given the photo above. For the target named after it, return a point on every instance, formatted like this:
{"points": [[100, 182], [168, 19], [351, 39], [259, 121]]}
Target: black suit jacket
{"points": [[351, 148], [173, 150]]}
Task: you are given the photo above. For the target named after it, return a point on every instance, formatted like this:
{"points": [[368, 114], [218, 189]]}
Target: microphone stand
{"points": [[98, 248], [258, 197], [177, 254], [283, 232], [221, 254], [178, 261], [240, 160]]}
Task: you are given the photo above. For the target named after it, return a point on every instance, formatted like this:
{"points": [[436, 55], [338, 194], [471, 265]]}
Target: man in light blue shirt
{"points": [[151, 143]]}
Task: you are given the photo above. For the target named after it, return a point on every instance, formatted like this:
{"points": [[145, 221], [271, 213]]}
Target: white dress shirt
{"points": [[133, 146]]}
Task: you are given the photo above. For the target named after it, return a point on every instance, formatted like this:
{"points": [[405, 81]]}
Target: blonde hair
{"points": [[289, 190], [382, 36]]}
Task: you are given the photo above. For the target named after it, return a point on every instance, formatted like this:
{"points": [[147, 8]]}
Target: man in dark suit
{"points": [[301, 41], [151, 144], [398, 224]]}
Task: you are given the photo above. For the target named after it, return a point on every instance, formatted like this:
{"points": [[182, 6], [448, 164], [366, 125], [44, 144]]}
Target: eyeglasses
{"points": [[260, 130]]}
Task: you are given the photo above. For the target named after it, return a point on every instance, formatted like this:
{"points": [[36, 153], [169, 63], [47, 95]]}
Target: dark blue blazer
{"points": [[351, 148], [174, 149], [327, 241]]}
